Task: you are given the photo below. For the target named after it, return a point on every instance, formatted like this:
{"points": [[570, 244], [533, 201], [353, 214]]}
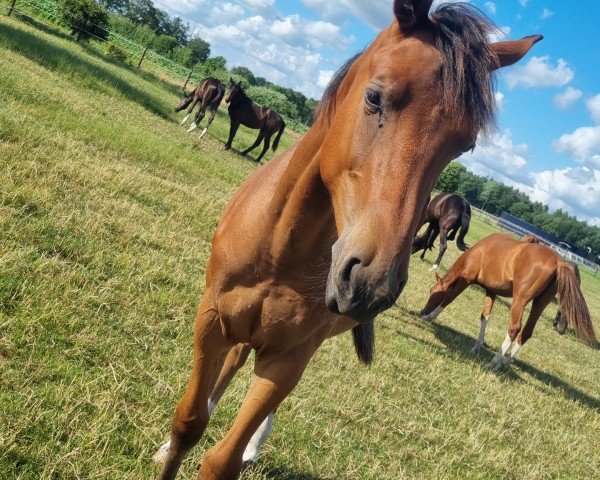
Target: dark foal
{"points": [[446, 214], [244, 111], [208, 94]]}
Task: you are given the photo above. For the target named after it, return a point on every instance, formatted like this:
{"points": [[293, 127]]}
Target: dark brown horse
{"points": [[527, 272], [317, 242], [208, 94], [244, 111], [446, 214]]}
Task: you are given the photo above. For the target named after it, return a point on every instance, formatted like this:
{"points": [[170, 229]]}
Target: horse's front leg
{"points": [[276, 375], [232, 131], [192, 415]]}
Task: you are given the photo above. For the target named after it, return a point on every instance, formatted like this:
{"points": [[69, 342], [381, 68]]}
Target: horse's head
{"points": [[233, 90], [393, 118], [437, 295]]}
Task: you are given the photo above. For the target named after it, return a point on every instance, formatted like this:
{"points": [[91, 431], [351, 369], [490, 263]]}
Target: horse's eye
{"points": [[373, 99]]}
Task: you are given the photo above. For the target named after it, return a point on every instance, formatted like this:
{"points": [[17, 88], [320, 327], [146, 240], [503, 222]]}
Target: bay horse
{"points": [[208, 94], [243, 111], [527, 272], [308, 246], [446, 214]]}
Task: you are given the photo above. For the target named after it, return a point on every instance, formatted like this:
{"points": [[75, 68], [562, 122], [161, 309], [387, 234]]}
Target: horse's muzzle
{"points": [[350, 291]]}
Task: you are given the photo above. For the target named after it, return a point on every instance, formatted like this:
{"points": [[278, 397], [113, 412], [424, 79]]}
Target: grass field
{"points": [[107, 209]]}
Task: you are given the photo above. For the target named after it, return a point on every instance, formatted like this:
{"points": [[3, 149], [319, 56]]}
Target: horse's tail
{"points": [[573, 304], [364, 342], [281, 129], [464, 228], [219, 97]]}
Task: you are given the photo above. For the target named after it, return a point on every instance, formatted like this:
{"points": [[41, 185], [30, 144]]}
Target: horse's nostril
{"points": [[347, 267]]}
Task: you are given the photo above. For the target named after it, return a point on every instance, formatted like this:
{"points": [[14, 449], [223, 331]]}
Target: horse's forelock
{"points": [[462, 36]]}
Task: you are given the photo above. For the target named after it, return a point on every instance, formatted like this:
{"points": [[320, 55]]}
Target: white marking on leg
{"points": [[258, 439], [203, 133], [435, 267], [433, 315], [211, 407], [481, 338], [161, 455], [192, 128], [187, 117], [498, 360]]}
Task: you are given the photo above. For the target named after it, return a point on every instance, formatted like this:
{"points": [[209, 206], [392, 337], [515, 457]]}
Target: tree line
{"points": [[494, 197], [143, 23]]}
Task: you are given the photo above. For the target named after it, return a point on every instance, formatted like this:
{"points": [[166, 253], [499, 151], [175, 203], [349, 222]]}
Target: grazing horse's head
{"points": [[392, 119], [436, 297], [233, 90]]}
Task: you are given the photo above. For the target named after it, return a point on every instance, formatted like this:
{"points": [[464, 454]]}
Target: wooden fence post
{"points": [[142, 57], [11, 7], [187, 80]]}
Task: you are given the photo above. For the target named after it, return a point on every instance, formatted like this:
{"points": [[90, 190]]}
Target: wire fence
{"points": [[520, 232], [42, 11]]}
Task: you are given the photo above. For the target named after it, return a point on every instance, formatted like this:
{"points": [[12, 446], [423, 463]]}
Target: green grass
{"points": [[107, 209]]}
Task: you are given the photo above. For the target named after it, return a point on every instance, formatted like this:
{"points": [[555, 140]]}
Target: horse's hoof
{"points": [[434, 268], [203, 133], [248, 464], [490, 367], [475, 350], [161, 455]]}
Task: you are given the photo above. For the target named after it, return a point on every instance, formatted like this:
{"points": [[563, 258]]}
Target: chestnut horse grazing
{"points": [[446, 214], [244, 111], [208, 94], [525, 271], [308, 247]]}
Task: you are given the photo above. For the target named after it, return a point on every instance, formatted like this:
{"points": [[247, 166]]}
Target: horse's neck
{"points": [[301, 205]]}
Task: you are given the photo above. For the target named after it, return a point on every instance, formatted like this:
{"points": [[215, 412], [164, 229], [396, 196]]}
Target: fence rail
{"points": [[520, 232]]}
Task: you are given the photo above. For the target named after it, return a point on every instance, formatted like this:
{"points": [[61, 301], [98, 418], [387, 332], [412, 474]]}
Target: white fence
{"points": [[520, 232]]}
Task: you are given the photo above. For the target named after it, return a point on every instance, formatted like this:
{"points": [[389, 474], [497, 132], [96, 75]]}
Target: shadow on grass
{"points": [[61, 59], [460, 343], [282, 473]]}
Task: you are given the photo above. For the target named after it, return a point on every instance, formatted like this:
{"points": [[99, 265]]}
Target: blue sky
{"points": [[548, 141]]}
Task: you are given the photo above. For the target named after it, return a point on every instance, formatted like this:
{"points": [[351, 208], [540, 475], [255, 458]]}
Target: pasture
{"points": [[107, 209]]}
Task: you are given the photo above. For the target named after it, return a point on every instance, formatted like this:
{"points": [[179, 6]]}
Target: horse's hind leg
{"points": [[502, 359], [213, 113], [198, 119], [258, 141], [275, 377], [265, 148], [191, 415], [189, 113], [537, 308], [490, 298], [443, 247]]}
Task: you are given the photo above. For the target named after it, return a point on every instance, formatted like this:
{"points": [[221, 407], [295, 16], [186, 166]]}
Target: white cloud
{"points": [[500, 34], [546, 14], [568, 98], [583, 144], [225, 13], [258, 5], [575, 190], [540, 73], [491, 6], [326, 33], [500, 100], [593, 105], [523, 2], [325, 77]]}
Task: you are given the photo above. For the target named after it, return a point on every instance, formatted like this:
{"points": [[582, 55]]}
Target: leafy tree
{"points": [[214, 65], [450, 178], [246, 73], [200, 51], [86, 18], [116, 6], [272, 99], [164, 45]]}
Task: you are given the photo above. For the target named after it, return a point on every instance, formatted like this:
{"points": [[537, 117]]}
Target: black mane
{"points": [[462, 37]]}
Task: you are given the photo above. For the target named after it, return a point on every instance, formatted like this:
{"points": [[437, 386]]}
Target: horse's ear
{"points": [[411, 13], [510, 52], [231, 82], [438, 279]]}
